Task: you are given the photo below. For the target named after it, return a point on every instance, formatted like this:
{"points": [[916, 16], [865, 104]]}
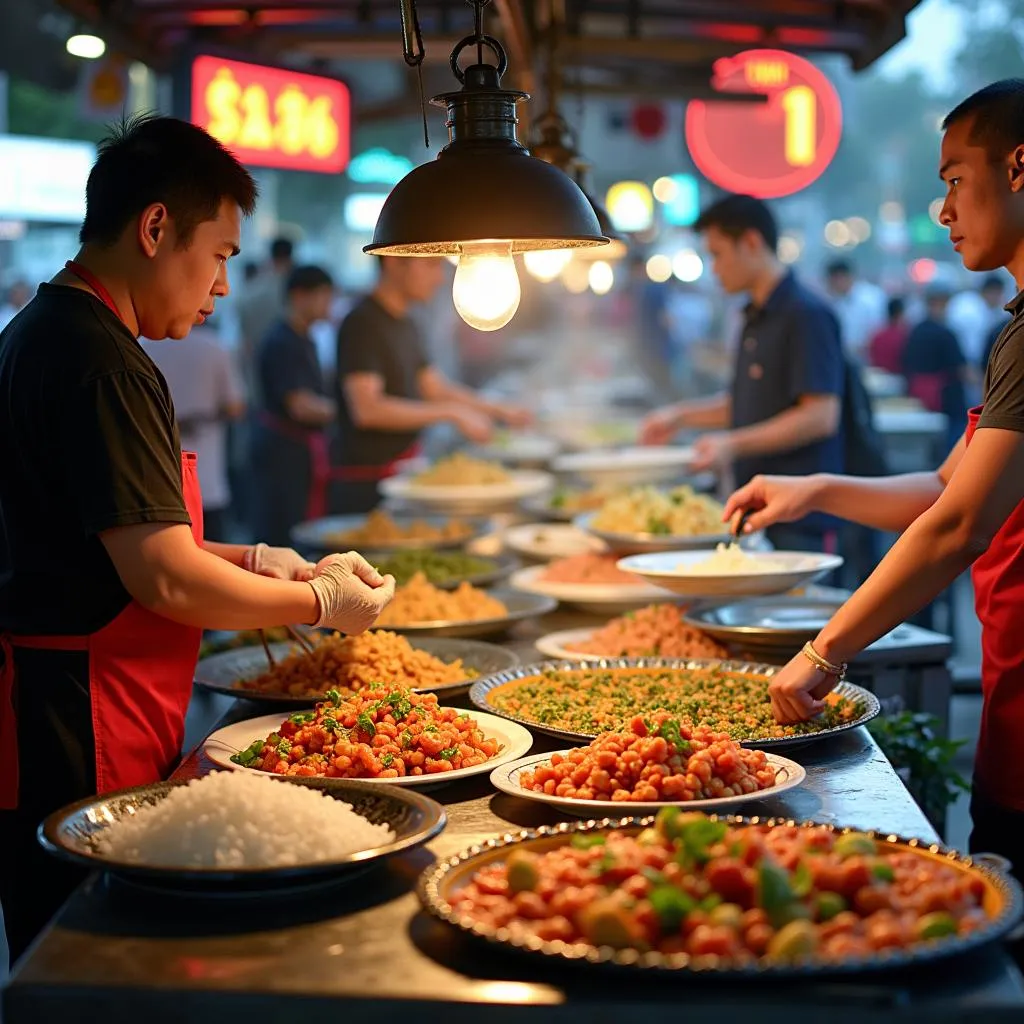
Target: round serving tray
{"points": [[70, 834], [478, 694], [1004, 905], [220, 672], [315, 534], [520, 606]]}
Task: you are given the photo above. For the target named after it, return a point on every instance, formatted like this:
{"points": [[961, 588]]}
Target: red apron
{"points": [[999, 601], [141, 668]]}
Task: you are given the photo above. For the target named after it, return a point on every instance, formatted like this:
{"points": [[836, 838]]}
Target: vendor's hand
{"points": [[350, 592], [712, 451], [474, 426], [277, 563], [798, 691], [513, 415], [661, 426], [773, 499]]}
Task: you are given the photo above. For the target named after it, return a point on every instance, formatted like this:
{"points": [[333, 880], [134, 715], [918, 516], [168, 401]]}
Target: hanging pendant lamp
{"points": [[485, 197]]}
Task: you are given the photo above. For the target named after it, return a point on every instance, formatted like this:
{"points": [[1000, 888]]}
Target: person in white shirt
{"points": [[859, 305], [207, 393]]}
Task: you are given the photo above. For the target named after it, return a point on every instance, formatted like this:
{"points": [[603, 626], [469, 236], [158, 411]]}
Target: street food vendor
{"points": [[105, 581], [970, 513], [388, 390], [290, 460], [783, 413]]}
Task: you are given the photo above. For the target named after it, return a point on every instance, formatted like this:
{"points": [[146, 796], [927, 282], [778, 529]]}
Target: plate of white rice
{"points": [[235, 830]]}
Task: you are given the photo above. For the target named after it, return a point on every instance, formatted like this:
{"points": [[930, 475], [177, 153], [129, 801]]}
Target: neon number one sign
{"points": [[768, 149]]}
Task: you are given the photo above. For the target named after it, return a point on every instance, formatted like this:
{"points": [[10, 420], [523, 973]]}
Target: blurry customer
{"points": [[261, 307], [207, 394], [784, 412], [886, 348], [388, 391], [973, 313], [289, 447], [859, 305], [18, 296], [933, 363]]}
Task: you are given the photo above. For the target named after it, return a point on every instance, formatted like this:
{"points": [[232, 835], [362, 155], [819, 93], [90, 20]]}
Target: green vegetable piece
{"points": [[387, 760], [284, 747], [699, 836], [855, 844], [774, 892], [671, 905], [935, 926], [710, 902], [586, 840], [827, 905], [448, 753], [883, 871], [334, 696], [728, 914], [302, 717], [794, 941], [649, 837], [273, 739], [400, 705], [669, 732], [523, 874], [365, 722], [247, 756], [671, 821], [558, 499], [801, 881], [330, 724]]}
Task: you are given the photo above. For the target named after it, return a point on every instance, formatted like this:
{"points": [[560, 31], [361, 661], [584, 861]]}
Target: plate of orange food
{"points": [[590, 582], [382, 734]]}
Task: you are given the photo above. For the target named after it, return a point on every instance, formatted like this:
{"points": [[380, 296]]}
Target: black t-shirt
{"points": [[371, 340], [932, 348], [287, 362], [789, 347], [1004, 378], [88, 442]]}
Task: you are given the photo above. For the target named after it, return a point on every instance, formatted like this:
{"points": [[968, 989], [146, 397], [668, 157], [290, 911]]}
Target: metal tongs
{"points": [[298, 636], [737, 531]]}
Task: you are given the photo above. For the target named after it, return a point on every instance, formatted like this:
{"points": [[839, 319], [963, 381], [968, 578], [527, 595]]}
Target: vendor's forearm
{"points": [[165, 571], [796, 427], [233, 553], [714, 413], [401, 414], [932, 553], [889, 503]]}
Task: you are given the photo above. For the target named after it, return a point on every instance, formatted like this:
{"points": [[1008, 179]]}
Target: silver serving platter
{"points": [[502, 566], [220, 672], [542, 506], [479, 691], [643, 543], [438, 883], [70, 835], [520, 605], [314, 535]]}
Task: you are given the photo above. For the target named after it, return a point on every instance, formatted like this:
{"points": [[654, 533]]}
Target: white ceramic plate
{"points": [[559, 645], [788, 775], [544, 542], [671, 570], [515, 741], [641, 543], [519, 449], [626, 466], [524, 483], [599, 598]]}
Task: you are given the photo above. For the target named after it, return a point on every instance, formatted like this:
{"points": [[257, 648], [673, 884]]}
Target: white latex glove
{"points": [[351, 593], [277, 563]]}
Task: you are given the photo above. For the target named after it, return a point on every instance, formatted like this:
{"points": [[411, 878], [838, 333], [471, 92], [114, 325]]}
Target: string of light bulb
{"points": [[484, 199]]}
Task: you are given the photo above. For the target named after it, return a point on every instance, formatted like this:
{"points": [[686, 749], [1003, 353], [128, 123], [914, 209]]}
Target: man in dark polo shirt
{"points": [[387, 390], [783, 413]]}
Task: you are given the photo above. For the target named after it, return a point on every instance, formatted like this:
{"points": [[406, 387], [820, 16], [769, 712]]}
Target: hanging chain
{"points": [[412, 47], [478, 9]]}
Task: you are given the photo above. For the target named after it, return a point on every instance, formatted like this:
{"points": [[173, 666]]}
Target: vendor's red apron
{"points": [[141, 668], [322, 473], [999, 600], [928, 388]]}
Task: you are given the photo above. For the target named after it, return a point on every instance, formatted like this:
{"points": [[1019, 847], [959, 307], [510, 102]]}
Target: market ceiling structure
{"points": [[638, 48]]}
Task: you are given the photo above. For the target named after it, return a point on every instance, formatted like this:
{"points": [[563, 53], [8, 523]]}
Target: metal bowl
{"points": [[315, 535], [220, 672], [70, 835], [520, 605], [643, 543], [501, 567], [479, 691], [1004, 905]]}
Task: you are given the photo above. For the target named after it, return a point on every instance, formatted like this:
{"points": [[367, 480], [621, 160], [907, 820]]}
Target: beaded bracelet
{"points": [[808, 651]]}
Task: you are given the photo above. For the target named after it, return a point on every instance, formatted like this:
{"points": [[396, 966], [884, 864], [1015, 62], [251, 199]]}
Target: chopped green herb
{"points": [[247, 756], [671, 905], [585, 840], [883, 872], [387, 760], [334, 696], [400, 705], [699, 836], [365, 722], [449, 753], [669, 732], [302, 717], [801, 881], [284, 747], [330, 724], [405, 739]]}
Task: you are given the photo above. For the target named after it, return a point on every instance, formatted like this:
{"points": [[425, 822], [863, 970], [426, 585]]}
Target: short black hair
{"points": [[993, 283], [281, 249], [308, 279], [896, 307], [152, 159], [998, 112], [735, 215], [836, 267]]}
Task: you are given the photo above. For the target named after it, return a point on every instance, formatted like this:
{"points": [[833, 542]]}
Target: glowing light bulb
{"points": [[86, 46], [486, 288], [546, 264]]}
